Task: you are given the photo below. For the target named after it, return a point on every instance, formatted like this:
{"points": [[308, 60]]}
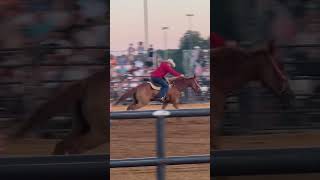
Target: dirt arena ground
{"points": [[190, 136], [187, 136], [136, 138]]}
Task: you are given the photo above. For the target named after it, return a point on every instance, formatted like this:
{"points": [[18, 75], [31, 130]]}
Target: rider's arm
{"points": [[171, 70]]}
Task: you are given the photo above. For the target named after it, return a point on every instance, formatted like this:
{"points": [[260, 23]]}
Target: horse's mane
{"points": [[180, 82], [180, 79]]}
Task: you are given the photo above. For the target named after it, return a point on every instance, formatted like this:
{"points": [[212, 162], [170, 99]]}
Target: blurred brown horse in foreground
{"points": [[145, 92], [233, 67], [87, 99]]}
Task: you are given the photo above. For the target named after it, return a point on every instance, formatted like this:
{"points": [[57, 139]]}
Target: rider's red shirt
{"points": [[163, 70], [216, 40]]}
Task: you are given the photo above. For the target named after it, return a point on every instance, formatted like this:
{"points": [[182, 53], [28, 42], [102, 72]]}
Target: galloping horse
{"points": [[90, 125], [145, 92], [234, 67]]}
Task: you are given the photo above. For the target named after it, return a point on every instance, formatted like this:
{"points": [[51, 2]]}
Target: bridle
{"points": [[197, 84], [185, 78]]}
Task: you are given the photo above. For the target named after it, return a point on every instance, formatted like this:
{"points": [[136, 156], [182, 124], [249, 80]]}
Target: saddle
{"points": [[157, 86]]}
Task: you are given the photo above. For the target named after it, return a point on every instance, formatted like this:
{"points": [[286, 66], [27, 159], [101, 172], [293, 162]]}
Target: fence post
{"points": [[160, 143]]}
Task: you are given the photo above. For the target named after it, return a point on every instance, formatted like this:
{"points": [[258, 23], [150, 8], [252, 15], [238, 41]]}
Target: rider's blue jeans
{"points": [[164, 86]]}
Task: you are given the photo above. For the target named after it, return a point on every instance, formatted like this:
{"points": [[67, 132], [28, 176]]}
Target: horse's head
{"points": [[183, 82], [193, 82], [272, 75]]}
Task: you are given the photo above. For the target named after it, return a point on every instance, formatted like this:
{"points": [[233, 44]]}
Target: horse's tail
{"points": [[127, 94], [59, 102]]}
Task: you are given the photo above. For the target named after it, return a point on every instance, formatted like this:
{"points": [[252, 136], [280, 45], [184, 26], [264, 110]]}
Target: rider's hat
{"points": [[171, 62]]}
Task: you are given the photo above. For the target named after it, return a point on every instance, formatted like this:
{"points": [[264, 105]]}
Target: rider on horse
{"points": [[158, 77]]}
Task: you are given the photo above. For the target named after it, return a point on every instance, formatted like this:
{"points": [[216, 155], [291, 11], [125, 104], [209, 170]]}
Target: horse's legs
{"points": [[218, 114], [141, 99], [136, 106], [95, 127], [164, 105], [175, 105], [81, 143], [98, 134], [130, 107], [86, 142], [176, 100], [216, 127], [63, 146]]}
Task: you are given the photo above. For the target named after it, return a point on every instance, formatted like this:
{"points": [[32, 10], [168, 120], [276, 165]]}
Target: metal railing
{"points": [[55, 167], [161, 160], [265, 162]]}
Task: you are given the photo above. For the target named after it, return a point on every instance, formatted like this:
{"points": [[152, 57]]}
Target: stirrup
{"points": [[163, 99]]}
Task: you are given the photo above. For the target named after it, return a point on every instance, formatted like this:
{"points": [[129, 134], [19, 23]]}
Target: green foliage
{"points": [[193, 38], [177, 55]]}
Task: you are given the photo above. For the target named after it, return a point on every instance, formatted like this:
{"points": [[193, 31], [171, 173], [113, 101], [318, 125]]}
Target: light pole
{"points": [[189, 16], [146, 25], [165, 37], [190, 28]]}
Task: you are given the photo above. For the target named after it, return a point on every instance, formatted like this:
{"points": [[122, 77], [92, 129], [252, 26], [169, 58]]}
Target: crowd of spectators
{"points": [[128, 68], [134, 62], [52, 23], [291, 23], [133, 66], [33, 23], [300, 26]]}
